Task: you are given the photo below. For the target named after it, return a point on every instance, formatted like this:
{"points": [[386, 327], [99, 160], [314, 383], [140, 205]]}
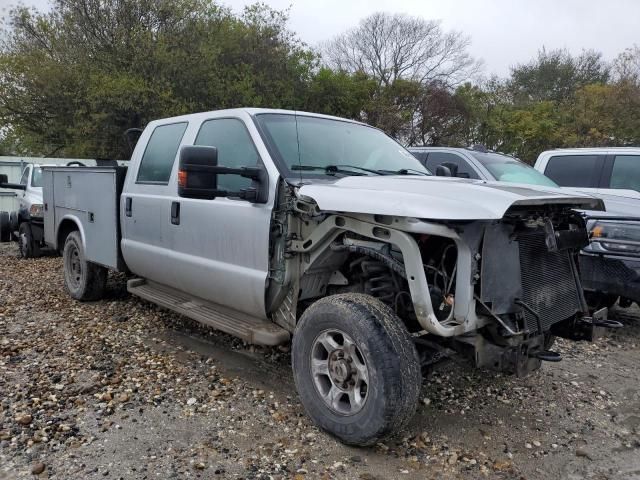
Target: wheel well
{"points": [[66, 227]]}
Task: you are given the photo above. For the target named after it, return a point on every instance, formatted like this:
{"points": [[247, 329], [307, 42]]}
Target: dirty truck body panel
{"points": [[268, 223]]}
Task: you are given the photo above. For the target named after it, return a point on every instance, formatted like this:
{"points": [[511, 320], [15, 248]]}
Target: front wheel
{"points": [[84, 280], [27, 246], [356, 368]]}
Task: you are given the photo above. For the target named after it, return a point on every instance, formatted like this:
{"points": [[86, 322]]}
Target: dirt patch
{"points": [[122, 389]]}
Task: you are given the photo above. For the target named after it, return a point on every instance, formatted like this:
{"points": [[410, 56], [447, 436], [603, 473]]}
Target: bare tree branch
{"points": [[391, 47]]}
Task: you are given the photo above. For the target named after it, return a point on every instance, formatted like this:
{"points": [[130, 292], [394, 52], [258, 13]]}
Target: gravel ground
{"points": [[120, 389]]}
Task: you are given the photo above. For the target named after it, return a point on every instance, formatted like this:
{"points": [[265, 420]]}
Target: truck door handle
{"points": [[175, 213], [127, 206]]}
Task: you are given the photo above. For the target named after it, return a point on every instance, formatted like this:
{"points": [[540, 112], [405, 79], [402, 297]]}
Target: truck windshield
{"points": [[36, 178], [508, 169], [313, 145]]}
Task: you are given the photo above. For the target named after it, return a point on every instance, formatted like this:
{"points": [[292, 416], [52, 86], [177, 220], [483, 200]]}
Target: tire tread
{"points": [[397, 361], [95, 275]]}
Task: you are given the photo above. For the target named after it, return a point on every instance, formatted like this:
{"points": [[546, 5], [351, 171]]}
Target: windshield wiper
{"points": [[333, 169], [403, 171]]}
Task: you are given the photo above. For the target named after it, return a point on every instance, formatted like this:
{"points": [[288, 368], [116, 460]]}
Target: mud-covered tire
{"points": [[27, 246], [5, 228], [85, 281], [387, 350]]}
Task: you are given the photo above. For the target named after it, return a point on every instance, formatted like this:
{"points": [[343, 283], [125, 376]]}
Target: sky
{"points": [[503, 33]]}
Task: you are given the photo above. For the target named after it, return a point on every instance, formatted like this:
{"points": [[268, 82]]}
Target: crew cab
{"points": [[280, 226], [612, 173], [610, 264]]}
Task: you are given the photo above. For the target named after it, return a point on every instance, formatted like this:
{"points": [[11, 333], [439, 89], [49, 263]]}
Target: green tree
{"points": [[77, 77], [605, 115], [340, 93], [555, 75]]}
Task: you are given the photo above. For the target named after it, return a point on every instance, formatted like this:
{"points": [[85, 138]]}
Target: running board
{"points": [[250, 329]]}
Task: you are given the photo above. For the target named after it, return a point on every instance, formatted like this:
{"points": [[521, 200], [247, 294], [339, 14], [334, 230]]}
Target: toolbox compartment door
{"points": [[90, 197]]}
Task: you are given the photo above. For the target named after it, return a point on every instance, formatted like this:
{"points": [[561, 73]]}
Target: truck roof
{"points": [[248, 111], [596, 150]]}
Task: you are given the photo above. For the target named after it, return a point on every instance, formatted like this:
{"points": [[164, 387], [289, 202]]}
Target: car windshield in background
{"points": [[507, 169], [322, 146], [36, 178]]}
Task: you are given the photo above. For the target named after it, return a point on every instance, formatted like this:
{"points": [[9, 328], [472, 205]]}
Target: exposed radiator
{"points": [[548, 282]]}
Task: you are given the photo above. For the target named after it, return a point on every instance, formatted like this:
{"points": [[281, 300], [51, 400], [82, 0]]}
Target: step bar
{"points": [[250, 329]]}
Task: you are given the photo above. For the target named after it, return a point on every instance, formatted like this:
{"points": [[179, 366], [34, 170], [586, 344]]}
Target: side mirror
{"points": [[4, 183], [198, 176], [442, 171]]}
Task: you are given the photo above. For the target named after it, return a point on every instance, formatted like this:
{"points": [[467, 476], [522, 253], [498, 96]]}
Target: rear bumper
{"points": [[611, 275]]}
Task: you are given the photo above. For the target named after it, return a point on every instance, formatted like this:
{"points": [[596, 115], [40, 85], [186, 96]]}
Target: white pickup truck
{"points": [[271, 224]]}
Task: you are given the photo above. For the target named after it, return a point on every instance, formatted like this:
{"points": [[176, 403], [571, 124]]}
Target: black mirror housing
{"points": [[198, 176], [4, 183]]}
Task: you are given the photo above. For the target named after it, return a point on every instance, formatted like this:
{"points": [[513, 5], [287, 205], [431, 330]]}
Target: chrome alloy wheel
{"points": [[339, 372]]}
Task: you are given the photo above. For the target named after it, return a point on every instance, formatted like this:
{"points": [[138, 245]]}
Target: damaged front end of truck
{"points": [[497, 288]]}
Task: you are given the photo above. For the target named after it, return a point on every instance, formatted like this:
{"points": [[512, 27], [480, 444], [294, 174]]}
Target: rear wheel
{"points": [[84, 280], [356, 368], [27, 246]]}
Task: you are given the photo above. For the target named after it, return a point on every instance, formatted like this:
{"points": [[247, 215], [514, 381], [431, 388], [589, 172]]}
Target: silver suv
{"points": [[610, 264]]}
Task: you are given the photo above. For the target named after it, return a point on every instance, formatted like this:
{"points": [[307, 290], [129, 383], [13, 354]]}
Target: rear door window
{"points": [[438, 158], [160, 154], [574, 170], [626, 172]]}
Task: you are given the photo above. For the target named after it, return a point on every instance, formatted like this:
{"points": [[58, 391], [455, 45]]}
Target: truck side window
{"points": [[573, 170], [235, 149], [626, 172], [160, 154], [25, 176], [438, 158]]}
